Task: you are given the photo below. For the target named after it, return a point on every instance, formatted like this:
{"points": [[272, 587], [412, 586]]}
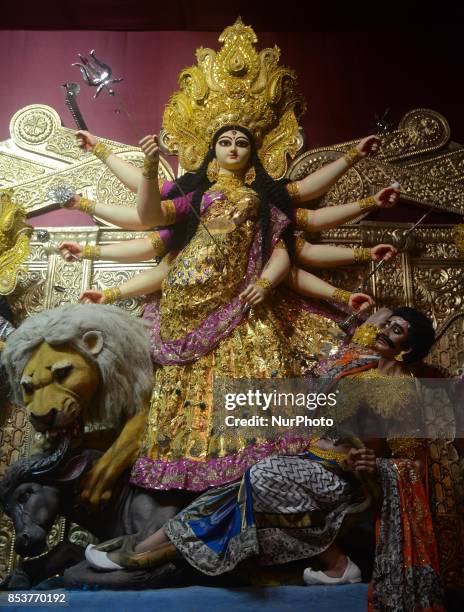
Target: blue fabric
{"points": [[349, 598], [217, 529]]}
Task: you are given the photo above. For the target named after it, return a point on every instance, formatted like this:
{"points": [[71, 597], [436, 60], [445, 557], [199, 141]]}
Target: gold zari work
{"points": [[235, 86], [181, 416], [389, 397], [14, 241], [207, 274], [366, 335]]}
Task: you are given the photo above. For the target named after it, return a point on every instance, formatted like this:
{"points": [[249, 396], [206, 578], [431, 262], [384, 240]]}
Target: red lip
{"points": [[233, 156]]}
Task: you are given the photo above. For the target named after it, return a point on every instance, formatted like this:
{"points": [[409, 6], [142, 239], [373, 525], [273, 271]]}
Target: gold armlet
{"points": [[158, 244], [2, 345], [352, 156], [91, 252], [362, 254], [111, 295], [303, 219], [280, 244], [101, 151], [169, 209], [341, 296], [264, 283], [368, 203], [87, 206], [150, 169], [299, 244], [366, 335], [293, 190]]}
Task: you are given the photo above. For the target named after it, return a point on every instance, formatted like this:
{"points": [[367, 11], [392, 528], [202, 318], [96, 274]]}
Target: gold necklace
{"points": [[228, 181]]}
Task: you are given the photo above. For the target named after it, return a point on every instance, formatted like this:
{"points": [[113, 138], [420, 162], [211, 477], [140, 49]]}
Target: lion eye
{"points": [[62, 372]]}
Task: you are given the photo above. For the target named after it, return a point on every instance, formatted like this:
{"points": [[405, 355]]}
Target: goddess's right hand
{"points": [[68, 249], [85, 140], [72, 203], [149, 145]]}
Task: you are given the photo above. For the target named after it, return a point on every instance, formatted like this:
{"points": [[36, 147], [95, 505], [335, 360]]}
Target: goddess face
{"points": [[233, 150]]}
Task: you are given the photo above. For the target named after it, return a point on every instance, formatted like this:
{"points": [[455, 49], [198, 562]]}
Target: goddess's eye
{"points": [[225, 142], [243, 144]]}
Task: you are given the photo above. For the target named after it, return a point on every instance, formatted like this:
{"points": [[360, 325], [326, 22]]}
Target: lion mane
{"points": [[124, 363]]}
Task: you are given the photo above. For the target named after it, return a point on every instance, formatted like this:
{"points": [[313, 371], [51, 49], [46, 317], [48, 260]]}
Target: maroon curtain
{"points": [[346, 77]]}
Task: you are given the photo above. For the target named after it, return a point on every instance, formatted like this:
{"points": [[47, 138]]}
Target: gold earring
{"points": [[400, 356], [213, 171], [250, 175]]}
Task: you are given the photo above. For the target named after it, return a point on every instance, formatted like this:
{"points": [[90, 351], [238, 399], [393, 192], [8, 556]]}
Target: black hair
{"points": [[270, 191], [421, 334]]}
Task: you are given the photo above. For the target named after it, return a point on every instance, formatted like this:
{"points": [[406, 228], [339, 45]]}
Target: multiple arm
{"points": [[328, 256], [309, 285], [319, 182], [126, 172], [272, 275]]}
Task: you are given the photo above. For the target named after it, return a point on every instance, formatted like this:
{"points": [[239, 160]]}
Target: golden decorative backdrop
{"points": [[428, 274]]}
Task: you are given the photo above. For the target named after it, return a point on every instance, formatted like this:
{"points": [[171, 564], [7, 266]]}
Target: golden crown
{"points": [[14, 241], [235, 86]]}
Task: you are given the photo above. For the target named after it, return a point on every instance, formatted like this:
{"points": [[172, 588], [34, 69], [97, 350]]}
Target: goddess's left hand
{"points": [[368, 145], [383, 251], [253, 295], [360, 301]]}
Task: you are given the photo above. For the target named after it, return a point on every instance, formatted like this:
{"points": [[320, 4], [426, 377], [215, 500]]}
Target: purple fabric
{"points": [[165, 235], [182, 203], [200, 475]]}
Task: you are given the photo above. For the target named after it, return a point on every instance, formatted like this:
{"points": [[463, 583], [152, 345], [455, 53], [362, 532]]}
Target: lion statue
{"points": [[81, 367]]}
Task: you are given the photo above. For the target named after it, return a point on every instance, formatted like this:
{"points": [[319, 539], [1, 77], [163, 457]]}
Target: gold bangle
{"points": [[111, 295], [150, 169], [87, 206], [362, 254], [367, 203], [366, 335], [293, 190], [101, 151], [2, 345], [352, 156], [91, 251], [264, 283], [303, 219], [341, 296], [280, 244]]}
